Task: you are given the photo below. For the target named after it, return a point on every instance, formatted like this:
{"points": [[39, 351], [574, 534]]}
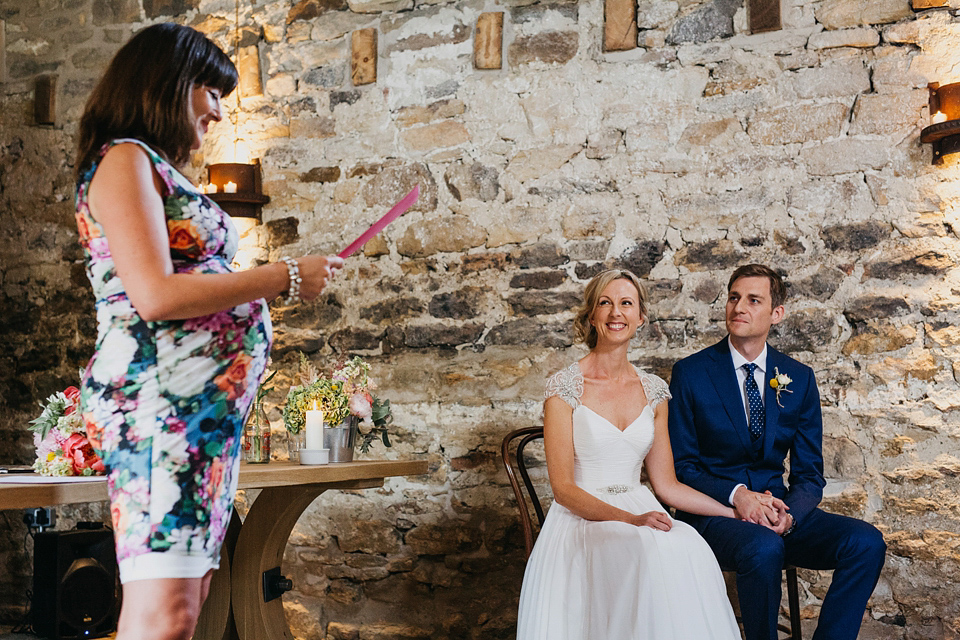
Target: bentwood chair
{"points": [[529, 506]]}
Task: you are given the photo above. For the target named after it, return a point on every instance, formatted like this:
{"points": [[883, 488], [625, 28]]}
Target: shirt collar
{"points": [[739, 360]]}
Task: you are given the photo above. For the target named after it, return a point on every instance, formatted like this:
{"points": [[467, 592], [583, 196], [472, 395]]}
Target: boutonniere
{"points": [[779, 382]]}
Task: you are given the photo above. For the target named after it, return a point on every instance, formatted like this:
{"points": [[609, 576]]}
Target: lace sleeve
{"points": [[567, 384], [656, 389]]}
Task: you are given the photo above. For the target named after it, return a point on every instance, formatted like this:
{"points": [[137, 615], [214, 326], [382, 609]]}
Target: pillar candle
{"points": [[314, 429], [230, 187]]}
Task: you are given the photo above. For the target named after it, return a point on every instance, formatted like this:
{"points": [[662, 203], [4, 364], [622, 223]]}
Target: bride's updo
{"points": [[582, 329]]}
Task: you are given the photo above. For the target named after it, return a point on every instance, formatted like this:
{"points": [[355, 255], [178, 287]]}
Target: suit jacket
{"points": [[712, 448]]}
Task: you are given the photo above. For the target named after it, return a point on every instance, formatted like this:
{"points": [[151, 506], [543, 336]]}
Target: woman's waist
{"points": [[116, 311], [610, 487]]}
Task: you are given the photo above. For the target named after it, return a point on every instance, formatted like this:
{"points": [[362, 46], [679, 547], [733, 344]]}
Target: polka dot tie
{"points": [[753, 400]]}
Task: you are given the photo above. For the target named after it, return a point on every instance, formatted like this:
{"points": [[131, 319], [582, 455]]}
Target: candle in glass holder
{"points": [[230, 187], [314, 428]]}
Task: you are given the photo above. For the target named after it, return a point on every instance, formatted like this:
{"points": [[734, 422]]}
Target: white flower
{"points": [[164, 493], [171, 450], [360, 406], [779, 382], [114, 357]]}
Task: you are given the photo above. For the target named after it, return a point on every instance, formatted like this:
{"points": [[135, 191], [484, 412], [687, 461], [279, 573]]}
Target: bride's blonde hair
{"points": [[582, 329]]}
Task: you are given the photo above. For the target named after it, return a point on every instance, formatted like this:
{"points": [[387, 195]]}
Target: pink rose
{"points": [[360, 405], [73, 395], [78, 450]]}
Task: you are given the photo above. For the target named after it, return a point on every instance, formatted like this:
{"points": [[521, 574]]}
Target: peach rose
{"points": [[183, 236], [234, 379]]}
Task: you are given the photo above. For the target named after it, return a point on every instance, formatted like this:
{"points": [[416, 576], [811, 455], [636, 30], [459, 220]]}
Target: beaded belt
{"points": [[615, 488]]}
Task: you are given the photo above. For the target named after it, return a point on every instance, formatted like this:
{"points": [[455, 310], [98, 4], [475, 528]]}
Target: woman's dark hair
{"points": [[145, 92]]}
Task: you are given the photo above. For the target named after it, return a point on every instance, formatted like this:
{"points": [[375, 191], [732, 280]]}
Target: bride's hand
{"points": [[653, 519]]}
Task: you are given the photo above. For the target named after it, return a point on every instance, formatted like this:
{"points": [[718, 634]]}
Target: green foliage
{"points": [[55, 406], [332, 395]]}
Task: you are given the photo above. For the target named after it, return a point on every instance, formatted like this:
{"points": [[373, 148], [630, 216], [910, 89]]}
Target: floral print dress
{"points": [[165, 401]]}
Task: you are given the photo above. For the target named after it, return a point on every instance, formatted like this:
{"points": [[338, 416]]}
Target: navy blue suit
{"points": [[714, 452]]}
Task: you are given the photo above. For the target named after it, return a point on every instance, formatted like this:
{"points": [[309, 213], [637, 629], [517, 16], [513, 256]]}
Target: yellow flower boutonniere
{"points": [[779, 382]]}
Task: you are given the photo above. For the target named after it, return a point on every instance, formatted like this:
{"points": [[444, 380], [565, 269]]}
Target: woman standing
{"points": [[609, 562], [182, 339]]}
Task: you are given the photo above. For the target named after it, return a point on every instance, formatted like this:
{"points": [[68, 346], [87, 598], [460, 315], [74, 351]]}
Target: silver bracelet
{"points": [[293, 289]]}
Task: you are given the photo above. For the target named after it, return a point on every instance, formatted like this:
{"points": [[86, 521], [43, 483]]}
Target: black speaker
{"points": [[76, 591]]}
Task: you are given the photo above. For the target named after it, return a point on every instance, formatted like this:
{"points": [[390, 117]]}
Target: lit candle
{"points": [[230, 187], [314, 429], [210, 188]]}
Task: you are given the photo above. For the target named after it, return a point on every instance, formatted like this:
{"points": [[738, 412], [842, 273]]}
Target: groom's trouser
{"points": [[854, 550]]}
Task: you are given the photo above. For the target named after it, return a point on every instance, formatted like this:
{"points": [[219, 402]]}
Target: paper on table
{"points": [[33, 478], [395, 212]]}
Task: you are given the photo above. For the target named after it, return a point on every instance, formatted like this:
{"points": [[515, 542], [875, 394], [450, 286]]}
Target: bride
{"points": [[609, 564]]}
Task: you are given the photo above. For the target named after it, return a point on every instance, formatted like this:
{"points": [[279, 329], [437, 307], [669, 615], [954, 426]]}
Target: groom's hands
{"points": [[761, 508]]}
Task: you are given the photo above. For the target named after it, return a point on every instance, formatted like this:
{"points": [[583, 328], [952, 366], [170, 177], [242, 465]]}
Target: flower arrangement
{"points": [[345, 393], [779, 382], [60, 436]]}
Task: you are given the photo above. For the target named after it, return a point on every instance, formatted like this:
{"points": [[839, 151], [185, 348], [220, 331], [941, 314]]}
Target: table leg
{"points": [[216, 617], [260, 545]]}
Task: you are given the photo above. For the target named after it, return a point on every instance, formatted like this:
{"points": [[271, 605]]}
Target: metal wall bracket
{"points": [[275, 584]]}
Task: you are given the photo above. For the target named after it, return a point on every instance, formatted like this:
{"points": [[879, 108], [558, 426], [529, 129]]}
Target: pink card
{"points": [[395, 212]]}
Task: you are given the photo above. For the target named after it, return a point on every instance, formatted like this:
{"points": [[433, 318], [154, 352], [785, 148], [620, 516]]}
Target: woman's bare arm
{"points": [[663, 476], [124, 197], [558, 446]]}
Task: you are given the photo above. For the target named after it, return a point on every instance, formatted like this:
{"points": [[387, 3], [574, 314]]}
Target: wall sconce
{"points": [[237, 188], [944, 133]]}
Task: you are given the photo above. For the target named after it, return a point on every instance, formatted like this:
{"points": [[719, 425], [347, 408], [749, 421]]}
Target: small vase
{"points": [[340, 439], [256, 436], [295, 442]]}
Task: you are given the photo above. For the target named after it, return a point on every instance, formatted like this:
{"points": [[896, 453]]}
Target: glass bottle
{"points": [[256, 437]]}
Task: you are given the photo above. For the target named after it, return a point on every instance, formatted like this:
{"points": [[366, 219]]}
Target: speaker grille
{"points": [[75, 587], [86, 597]]}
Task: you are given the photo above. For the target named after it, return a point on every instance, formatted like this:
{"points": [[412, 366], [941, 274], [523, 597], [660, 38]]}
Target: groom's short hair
{"points": [[778, 290]]}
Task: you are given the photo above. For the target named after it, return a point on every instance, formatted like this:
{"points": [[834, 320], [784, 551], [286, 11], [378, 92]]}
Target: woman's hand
{"points": [[653, 519], [315, 272]]}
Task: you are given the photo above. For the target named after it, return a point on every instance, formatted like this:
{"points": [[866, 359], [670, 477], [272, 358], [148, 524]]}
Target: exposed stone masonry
{"points": [[703, 148]]}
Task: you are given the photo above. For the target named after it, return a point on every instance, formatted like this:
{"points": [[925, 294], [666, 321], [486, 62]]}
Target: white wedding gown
{"points": [[610, 580]]}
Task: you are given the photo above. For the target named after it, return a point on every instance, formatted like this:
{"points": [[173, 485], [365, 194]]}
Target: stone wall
{"points": [[703, 148]]}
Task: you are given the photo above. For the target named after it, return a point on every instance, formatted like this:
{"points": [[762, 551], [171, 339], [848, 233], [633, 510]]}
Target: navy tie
{"points": [[753, 401]]}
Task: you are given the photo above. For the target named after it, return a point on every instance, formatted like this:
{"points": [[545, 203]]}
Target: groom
{"points": [[738, 409]]}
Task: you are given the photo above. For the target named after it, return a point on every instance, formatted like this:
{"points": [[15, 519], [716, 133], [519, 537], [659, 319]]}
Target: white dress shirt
{"points": [[759, 374]]}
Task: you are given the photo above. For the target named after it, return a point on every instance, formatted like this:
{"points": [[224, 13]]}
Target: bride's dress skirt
{"points": [[610, 580]]}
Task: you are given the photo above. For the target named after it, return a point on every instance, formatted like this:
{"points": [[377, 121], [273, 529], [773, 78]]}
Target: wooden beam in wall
{"points": [[619, 25], [763, 15], [364, 60], [248, 59], [45, 100], [488, 41], [928, 4], [3, 52]]}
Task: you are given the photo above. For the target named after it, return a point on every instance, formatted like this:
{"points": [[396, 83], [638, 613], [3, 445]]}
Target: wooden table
{"points": [[253, 550]]}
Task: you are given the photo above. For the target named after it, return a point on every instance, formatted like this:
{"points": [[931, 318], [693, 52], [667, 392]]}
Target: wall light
{"points": [[944, 133], [237, 188]]}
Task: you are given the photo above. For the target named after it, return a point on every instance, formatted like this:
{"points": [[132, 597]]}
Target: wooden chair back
{"points": [[516, 467]]}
